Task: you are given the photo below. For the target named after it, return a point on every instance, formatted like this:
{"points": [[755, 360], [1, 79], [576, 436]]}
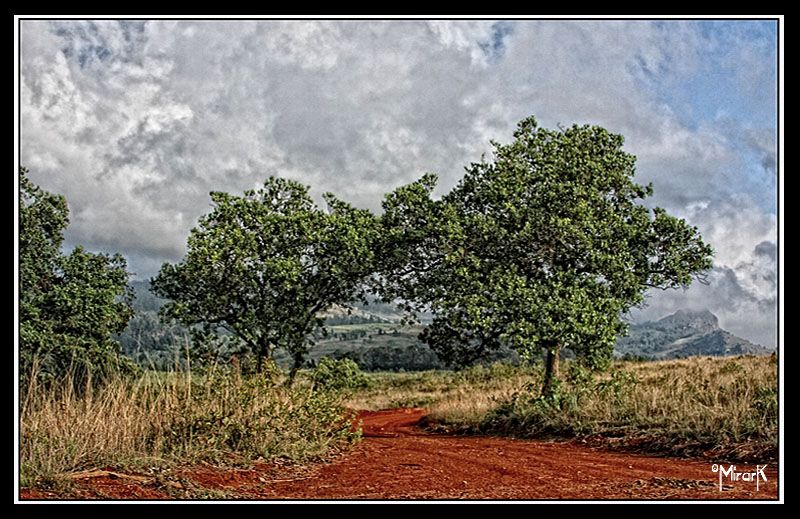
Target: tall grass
{"points": [[715, 407], [701, 406], [220, 416], [472, 390]]}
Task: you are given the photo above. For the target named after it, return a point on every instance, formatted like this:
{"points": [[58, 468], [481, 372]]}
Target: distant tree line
{"points": [[542, 248]]}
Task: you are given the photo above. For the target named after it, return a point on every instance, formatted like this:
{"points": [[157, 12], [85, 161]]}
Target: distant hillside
{"points": [[374, 336], [149, 341], [683, 334], [370, 334], [145, 300], [359, 314]]}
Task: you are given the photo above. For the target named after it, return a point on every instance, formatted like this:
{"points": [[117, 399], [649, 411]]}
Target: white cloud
{"points": [[135, 123], [742, 288]]}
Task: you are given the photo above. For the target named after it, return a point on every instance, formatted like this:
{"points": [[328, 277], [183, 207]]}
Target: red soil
{"points": [[398, 461]]}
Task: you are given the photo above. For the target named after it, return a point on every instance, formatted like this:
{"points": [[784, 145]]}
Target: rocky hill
{"points": [[683, 334]]}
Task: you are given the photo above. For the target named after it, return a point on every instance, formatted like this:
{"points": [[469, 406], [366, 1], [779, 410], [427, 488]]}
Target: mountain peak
{"points": [[684, 333], [702, 320]]}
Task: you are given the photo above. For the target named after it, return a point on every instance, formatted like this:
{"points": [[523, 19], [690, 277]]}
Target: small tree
{"points": [[264, 265], [545, 247], [70, 306]]}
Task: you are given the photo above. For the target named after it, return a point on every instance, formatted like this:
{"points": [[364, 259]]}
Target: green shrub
{"points": [[338, 375]]}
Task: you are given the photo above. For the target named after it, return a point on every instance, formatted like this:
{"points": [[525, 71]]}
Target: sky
{"points": [[135, 122]]}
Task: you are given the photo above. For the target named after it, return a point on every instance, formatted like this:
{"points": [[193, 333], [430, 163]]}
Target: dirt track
{"points": [[398, 461]]}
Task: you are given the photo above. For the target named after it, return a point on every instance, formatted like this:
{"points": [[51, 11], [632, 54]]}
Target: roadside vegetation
{"points": [[219, 416], [719, 408]]}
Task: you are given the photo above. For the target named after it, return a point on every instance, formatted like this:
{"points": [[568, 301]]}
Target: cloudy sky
{"points": [[136, 121]]}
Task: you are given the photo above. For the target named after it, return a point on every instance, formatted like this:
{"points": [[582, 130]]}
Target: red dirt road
{"points": [[398, 461]]}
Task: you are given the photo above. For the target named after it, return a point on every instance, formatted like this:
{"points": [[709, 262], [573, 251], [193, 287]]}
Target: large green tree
{"points": [[544, 247], [70, 305], [264, 265]]}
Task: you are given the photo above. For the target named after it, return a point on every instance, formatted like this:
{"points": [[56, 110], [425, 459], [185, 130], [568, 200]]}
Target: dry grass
{"points": [[162, 418], [716, 407], [472, 389]]}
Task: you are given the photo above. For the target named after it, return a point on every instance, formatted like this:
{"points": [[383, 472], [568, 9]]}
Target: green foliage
{"points": [[564, 410], [716, 408], [70, 305], [543, 248], [338, 375], [256, 416], [264, 265]]}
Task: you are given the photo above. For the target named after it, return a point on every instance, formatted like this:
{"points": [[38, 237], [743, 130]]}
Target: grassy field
{"points": [[719, 408], [396, 336], [375, 346], [713, 407], [483, 386], [176, 418]]}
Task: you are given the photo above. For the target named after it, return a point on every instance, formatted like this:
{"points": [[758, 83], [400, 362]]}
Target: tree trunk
{"points": [[298, 362], [264, 352], [551, 372]]}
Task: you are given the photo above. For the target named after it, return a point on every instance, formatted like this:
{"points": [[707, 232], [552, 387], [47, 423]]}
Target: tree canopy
{"points": [[544, 247], [262, 266], [70, 305]]}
